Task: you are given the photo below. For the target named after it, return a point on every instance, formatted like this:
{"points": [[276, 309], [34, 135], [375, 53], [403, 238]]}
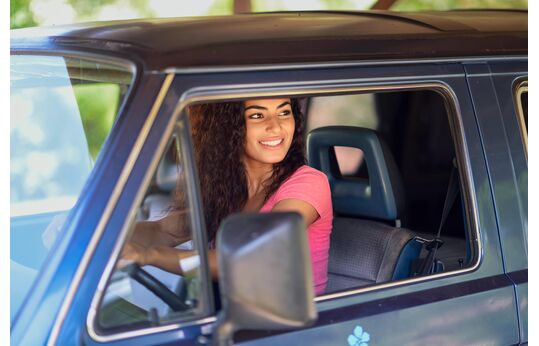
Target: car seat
{"points": [[160, 200], [367, 243]]}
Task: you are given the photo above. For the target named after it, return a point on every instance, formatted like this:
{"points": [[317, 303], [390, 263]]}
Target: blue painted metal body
{"points": [[485, 306], [507, 165]]}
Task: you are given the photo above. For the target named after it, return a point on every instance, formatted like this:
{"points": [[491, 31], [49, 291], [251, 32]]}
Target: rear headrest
{"points": [[168, 171], [379, 197]]}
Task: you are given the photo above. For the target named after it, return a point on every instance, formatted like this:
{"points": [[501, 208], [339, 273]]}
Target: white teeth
{"points": [[272, 143]]}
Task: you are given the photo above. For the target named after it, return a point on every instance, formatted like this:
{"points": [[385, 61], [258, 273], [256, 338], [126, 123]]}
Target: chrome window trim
{"points": [[457, 132], [142, 331], [231, 92], [111, 204], [371, 63], [94, 306], [92, 314], [107, 59], [470, 198], [520, 88]]}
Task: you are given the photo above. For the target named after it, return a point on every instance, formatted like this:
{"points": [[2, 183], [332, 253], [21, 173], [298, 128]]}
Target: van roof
{"points": [[288, 37]]}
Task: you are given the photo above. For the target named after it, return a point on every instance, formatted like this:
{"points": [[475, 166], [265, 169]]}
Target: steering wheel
{"points": [[175, 301]]}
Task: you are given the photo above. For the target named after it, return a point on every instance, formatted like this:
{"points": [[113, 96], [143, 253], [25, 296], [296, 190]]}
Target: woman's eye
{"points": [[255, 116], [286, 112]]}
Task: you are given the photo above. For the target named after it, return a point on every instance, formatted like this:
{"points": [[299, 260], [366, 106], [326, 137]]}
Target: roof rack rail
{"points": [[417, 18]]}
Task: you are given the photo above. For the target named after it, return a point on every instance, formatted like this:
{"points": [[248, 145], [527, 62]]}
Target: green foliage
{"points": [[98, 105], [86, 8], [280, 5], [221, 7], [443, 5], [20, 14], [267, 6], [341, 4]]}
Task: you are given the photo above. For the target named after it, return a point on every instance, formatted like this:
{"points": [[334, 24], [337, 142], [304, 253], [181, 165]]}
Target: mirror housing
{"points": [[265, 274]]}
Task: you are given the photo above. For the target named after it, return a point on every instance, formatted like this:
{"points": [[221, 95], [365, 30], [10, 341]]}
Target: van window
{"points": [[139, 294], [521, 100], [62, 110], [524, 105], [414, 125], [408, 141]]}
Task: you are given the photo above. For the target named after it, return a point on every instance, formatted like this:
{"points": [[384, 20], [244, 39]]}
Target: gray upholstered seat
{"points": [[364, 252], [158, 204], [367, 243]]}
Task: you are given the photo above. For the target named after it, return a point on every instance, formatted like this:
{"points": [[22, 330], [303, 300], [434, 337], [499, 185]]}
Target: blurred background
{"points": [[98, 103], [25, 13]]}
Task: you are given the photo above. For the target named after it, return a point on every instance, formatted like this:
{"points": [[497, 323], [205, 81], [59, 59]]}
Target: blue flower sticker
{"points": [[359, 338]]}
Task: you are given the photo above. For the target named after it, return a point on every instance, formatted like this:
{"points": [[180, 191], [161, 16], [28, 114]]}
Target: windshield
{"points": [[62, 110]]}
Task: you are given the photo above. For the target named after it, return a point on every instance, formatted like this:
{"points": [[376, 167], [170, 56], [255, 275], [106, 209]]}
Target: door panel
{"points": [[507, 166], [480, 318], [486, 307]]}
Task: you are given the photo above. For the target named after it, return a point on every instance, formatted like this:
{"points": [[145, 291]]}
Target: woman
{"points": [[250, 158]]}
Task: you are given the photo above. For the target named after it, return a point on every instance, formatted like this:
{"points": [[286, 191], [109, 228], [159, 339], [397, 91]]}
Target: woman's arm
{"points": [[166, 257], [163, 257], [168, 231], [306, 210], [152, 243]]}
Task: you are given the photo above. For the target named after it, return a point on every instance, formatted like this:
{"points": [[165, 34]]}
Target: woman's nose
{"points": [[273, 124]]}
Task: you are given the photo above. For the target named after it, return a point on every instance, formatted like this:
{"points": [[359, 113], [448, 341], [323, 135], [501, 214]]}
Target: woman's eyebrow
{"points": [[255, 107], [264, 108], [284, 104]]}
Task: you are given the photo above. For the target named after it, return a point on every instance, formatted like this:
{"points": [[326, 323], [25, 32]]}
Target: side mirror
{"points": [[265, 274]]}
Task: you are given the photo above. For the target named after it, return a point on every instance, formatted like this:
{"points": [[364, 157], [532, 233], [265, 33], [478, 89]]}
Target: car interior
{"points": [[389, 175], [389, 207]]}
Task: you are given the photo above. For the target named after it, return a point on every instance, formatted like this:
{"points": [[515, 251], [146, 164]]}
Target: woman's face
{"points": [[269, 129]]}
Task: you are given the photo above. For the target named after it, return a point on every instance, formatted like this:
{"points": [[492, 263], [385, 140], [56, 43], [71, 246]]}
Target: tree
{"points": [[20, 14]]}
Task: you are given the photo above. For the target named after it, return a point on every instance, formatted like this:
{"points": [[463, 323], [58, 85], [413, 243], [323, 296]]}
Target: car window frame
{"points": [[520, 87], [181, 134], [456, 127], [117, 60], [179, 128], [229, 92]]}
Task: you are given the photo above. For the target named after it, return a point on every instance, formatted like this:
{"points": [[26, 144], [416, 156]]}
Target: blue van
{"points": [[419, 121]]}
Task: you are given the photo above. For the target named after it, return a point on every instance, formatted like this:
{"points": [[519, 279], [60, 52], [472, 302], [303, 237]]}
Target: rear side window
{"points": [[521, 102], [62, 110]]}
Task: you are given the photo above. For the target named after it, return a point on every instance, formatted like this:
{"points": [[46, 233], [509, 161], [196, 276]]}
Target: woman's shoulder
{"points": [[308, 172], [310, 185], [308, 175]]}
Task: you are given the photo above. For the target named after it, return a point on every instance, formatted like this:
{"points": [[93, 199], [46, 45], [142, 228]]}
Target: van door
{"points": [[474, 304], [503, 127], [470, 306]]}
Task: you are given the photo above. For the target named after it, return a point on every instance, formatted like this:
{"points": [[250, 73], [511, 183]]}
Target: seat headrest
{"points": [[381, 196], [168, 171]]}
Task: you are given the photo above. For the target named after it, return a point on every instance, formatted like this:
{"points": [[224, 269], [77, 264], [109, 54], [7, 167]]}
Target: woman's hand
{"points": [[135, 252], [163, 257], [175, 228], [168, 231]]}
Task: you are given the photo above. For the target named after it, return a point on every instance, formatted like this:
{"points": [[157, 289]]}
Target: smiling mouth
{"points": [[273, 143]]}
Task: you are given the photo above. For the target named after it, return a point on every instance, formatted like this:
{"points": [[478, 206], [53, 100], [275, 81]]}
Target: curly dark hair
{"points": [[218, 131]]}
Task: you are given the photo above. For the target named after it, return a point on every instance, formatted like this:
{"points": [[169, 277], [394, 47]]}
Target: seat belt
{"points": [[427, 266]]}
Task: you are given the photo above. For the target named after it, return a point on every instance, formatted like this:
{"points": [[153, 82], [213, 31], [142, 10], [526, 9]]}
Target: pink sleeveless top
{"points": [[312, 186]]}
